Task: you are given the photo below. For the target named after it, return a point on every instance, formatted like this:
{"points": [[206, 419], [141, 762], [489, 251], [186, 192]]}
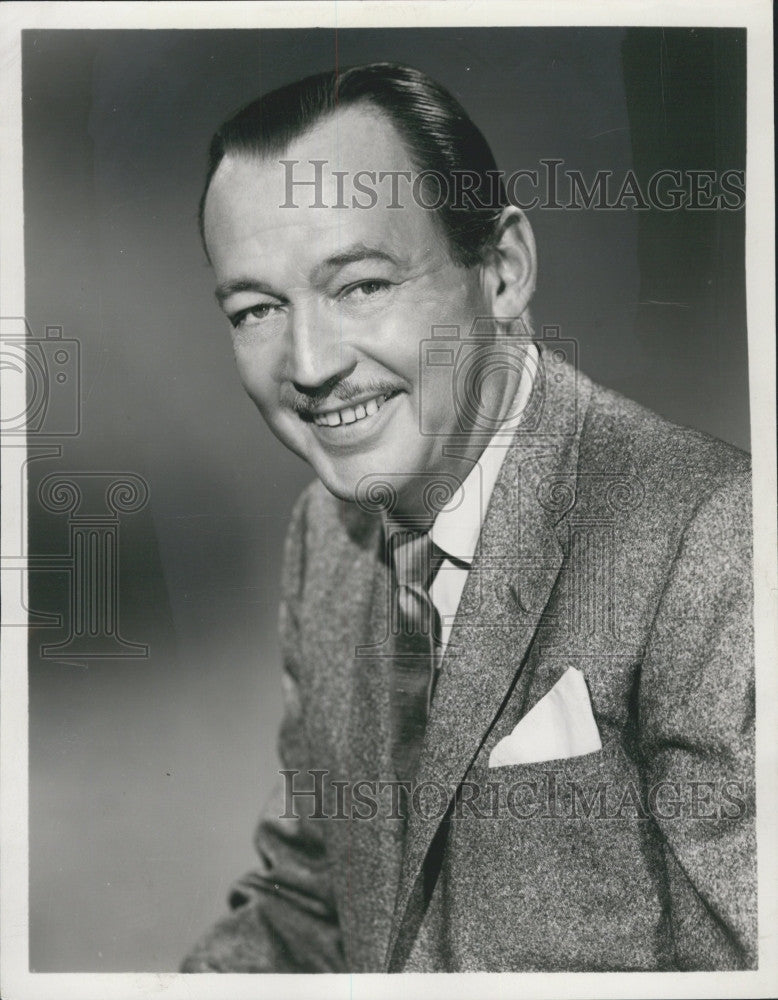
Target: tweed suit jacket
{"points": [[616, 543]]}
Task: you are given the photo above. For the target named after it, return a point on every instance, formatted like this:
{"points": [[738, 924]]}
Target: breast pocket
{"points": [[585, 786]]}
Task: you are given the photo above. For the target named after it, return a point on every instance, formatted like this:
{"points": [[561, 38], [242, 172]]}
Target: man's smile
{"points": [[350, 414], [355, 426]]}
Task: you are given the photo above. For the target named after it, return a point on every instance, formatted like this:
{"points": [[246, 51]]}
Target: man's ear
{"points": [[509, 270]]}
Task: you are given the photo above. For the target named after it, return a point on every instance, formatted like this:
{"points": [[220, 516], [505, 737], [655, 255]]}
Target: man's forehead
{"points": [[346, 143], [359, 137], [268, 199]]}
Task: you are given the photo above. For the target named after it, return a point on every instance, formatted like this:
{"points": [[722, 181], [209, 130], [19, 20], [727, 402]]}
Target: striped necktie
{"points": [[415, 561]]}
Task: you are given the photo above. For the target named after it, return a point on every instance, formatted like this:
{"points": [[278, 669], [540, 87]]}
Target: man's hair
{"points": [[436, 131]]}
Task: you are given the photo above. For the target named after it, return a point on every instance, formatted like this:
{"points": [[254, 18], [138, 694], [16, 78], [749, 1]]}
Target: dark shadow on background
{"points": [[686, 102], [146, 774]]}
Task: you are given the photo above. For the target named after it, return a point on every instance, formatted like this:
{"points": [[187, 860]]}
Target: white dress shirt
{"points": [[457, 526]]}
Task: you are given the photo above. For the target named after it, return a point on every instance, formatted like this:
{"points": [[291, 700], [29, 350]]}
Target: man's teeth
{"points": [[350, 414]]}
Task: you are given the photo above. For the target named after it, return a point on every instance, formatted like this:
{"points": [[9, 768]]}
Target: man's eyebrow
{"points": [[354, 255], [228, 288]]}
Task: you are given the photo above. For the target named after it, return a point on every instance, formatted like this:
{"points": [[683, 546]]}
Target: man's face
{"points": [[329, 305]]}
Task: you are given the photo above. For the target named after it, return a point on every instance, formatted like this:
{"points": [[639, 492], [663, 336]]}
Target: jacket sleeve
{"points": [[282, 915], [696, 714]]}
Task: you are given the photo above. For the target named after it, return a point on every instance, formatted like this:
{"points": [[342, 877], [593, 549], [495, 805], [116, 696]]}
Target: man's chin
{"points": [[340, 490], [364, 485], [401, 493]]}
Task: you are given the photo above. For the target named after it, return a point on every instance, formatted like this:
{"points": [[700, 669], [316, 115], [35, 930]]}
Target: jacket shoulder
{"points": [[678, 464]]}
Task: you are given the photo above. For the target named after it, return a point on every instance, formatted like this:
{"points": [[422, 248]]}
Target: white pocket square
{"points": [[559, 726]]}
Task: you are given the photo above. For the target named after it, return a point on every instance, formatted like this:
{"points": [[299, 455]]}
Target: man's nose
{"points": [[318, 356]]}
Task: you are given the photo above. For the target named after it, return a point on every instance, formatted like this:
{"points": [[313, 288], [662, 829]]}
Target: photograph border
{"points": [[16, 982]]}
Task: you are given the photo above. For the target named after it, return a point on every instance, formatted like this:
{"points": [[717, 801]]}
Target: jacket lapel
{"points": [[516, 565]]}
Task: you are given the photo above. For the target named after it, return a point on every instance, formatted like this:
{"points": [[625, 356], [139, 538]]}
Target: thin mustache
{"points": [[305, 404]]}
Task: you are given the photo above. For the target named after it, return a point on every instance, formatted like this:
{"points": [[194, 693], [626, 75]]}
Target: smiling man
{"points": [[516, 607], [330, 306]]}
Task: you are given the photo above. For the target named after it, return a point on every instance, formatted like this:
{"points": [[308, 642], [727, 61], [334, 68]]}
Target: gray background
{"points": [[147, 775]]}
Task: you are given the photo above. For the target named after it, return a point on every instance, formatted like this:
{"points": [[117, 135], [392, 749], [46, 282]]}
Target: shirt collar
{"points": [[457, 527]]}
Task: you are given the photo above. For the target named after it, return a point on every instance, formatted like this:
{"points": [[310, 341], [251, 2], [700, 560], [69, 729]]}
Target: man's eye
{"points": [[365, 289], [255, 314]]}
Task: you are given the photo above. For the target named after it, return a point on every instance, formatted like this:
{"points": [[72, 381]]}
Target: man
{"points": [[516, 607]]}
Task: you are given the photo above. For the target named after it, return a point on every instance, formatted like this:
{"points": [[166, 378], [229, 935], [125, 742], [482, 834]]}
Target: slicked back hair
{"points": [[436, 131]]}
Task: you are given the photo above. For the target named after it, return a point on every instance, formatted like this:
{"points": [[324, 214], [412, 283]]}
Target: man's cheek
{"points": [[255, 378]]}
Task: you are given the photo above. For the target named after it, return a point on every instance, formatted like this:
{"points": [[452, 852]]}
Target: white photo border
{"points": [[16, 982]]}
